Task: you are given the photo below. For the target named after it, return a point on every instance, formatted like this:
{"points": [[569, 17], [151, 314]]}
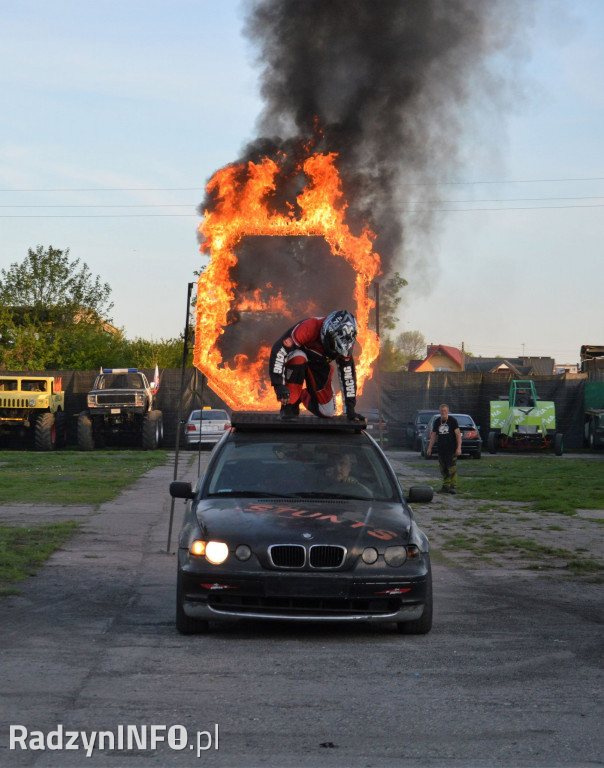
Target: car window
{"points": [[424, 418], [285, 467], [463, 420], [214, 415]]}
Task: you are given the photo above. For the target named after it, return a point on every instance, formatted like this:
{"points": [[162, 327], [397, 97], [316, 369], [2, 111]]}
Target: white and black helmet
{"points": [[338, 333]]}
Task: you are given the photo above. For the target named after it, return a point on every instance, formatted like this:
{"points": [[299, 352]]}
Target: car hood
{"points": [[345, 522]]}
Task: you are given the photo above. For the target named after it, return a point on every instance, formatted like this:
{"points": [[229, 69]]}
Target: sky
{"points": [[115, 114]]}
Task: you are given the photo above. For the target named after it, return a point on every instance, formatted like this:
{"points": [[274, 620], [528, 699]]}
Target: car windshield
{"points": [[462, 419], [424, 418], [120, 381], [313, 467]]}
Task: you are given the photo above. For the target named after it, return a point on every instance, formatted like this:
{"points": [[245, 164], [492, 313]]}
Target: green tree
{"points": [[54, 314], [389, 291], [411, 345], [48, 286], [146, 353], [390, 359]]}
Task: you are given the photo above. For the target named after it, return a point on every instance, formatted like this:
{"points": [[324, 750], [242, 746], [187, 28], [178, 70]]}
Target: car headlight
{"points": [[370, 555], [395, 556], [216, 552], [32, 403]]}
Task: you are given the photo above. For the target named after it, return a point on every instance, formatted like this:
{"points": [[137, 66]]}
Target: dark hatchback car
{"points": [[417, 427], [302, 521], [377, 426], [471, 442]]}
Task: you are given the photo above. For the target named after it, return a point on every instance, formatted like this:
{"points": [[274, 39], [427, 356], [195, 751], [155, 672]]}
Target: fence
{"points": [[471, 392], [402, 394]]}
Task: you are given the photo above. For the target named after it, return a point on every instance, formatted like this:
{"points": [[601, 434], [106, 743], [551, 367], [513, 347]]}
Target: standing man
{"points": [[446, 429]]}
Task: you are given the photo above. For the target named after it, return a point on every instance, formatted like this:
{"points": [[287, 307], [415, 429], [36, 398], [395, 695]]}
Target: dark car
{"points": [[301, 521], [417, 427], [471, 442], [377, 426]]}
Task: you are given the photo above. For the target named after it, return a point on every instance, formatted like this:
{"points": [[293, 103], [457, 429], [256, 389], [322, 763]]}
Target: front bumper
{"points": [[287, 596], [114, 410]]}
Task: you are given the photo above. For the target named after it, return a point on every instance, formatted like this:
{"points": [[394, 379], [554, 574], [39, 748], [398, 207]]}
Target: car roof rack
{"points": [[255, 421]]}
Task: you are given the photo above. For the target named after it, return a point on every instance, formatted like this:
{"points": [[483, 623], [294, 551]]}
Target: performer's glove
{"points": [[282, 393], [352, 415]]}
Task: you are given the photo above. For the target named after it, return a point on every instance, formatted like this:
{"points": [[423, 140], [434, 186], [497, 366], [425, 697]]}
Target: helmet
{"points": [[338, 333]]}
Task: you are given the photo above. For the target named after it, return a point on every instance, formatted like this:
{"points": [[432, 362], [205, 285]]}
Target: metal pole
{"points": [[185, 352], [378, 376]]}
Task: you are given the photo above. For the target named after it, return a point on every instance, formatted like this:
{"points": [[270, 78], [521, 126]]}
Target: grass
{"points": [[540, 554], [546, 483], [65, 478], [71, 477], [503, 492], [24, 550]]}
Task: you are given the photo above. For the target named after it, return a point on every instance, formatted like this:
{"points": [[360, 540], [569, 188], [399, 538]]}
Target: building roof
{"points": [[452, 352], [519, 366]]}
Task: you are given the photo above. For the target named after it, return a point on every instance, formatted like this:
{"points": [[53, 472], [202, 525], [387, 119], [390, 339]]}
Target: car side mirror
{"points": [[420, 494], [181, 490]]}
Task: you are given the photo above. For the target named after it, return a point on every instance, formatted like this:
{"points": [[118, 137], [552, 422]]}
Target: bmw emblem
{"points": [[307, 536]]}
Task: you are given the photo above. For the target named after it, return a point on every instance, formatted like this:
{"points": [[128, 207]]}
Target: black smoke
{"points": [[396, 88]]}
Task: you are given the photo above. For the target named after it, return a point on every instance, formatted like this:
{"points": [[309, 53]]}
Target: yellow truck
{"points": [[33, 407]]}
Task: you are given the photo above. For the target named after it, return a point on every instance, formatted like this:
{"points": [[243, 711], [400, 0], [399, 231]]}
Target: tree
{"points": [[54, 314], [390, 359], [48, 287], [389, 301], [411, 344]]}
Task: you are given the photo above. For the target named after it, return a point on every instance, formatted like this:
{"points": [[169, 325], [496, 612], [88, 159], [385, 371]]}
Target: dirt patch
{"points": [[479, 534]]}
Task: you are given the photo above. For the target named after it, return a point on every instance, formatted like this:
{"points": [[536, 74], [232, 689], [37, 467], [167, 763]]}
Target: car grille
{"points": [[287, 556], [326, 557], [304, 606], [296, 556], [110, 399]]}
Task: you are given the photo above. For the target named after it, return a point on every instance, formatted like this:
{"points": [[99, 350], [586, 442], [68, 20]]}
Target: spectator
{"points": [[446, 430]]}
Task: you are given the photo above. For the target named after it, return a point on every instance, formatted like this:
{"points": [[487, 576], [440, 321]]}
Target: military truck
{"points": [[520, 420], [33, 407], [121, 408]]}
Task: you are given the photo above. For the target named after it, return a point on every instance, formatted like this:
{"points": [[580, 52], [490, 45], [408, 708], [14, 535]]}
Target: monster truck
{"points": [[593, 406], [35, 406], [121, 407], [524, 421]]}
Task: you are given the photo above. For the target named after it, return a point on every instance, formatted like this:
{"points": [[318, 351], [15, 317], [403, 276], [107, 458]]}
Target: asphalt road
{"points": [[511, 674]]}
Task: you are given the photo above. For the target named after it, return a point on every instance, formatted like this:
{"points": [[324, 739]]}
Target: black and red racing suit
{"points": [[299, 358]]}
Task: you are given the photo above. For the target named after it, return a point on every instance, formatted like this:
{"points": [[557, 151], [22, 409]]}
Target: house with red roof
{"points": [[439, 358]]}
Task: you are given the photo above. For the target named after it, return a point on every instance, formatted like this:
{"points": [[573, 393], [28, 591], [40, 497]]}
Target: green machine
{"points": [[524, 421]]}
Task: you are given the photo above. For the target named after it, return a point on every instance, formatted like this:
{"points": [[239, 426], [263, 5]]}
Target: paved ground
{"points": [[511, 674]]}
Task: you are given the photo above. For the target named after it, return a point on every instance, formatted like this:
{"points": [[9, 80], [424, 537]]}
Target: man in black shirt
{"points": [[446, 429]]}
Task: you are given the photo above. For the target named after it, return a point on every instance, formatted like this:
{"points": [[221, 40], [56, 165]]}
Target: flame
{"points": [[242, 210]]}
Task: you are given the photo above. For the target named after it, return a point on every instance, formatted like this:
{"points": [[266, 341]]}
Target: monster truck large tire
{"points": [[60, 429], [85, 435], [492, 441], [45, 434], [152, 430]]}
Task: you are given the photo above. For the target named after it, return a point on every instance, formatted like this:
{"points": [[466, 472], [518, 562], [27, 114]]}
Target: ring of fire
{"points": [[242, 210]]}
